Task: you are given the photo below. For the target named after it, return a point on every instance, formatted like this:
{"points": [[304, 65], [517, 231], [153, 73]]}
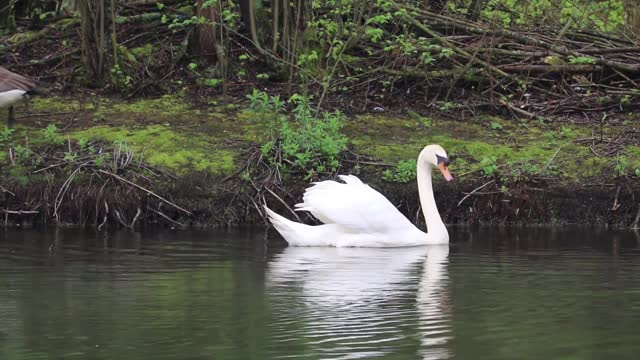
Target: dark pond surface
{"points": [[491, 294]]}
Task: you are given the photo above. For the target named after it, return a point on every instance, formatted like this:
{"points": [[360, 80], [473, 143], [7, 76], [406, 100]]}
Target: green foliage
{"points": [[488, 165], [51, 135], [22, 153], [212, 82], [307, 143], [5, 134], [258, 101], [404, 172], [446, 106], [70, 156], [622, 166], [193, 21], [374, 34], [581, 60], [120, 79], [308, 58], [625, 100], [607, 15], [522, 170], [494, 125]]}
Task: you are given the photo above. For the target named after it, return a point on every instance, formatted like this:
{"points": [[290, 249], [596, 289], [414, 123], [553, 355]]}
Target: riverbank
{"points": [[108, 162]]}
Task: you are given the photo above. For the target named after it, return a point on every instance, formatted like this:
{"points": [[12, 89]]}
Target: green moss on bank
{"points": [[470, 142], [160, 145], [174, 134]]}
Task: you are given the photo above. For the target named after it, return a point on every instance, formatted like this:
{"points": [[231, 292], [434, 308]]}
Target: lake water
{"points": [[491, 294]]}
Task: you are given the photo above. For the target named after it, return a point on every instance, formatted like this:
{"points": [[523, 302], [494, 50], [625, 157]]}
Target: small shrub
{"points": [[52, 135], [404, 172]]}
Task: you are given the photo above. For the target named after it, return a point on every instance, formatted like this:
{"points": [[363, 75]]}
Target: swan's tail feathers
{"points": [[285, 227]]}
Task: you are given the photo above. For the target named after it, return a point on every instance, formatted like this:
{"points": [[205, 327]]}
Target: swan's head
{"points": [[437, 157]]}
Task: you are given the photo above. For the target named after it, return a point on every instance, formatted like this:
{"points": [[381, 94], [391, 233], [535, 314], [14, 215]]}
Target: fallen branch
{"points": [[475, 190], [551, 69]]}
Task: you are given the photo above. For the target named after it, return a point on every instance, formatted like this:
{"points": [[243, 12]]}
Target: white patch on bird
{"points": [[8, 98]]}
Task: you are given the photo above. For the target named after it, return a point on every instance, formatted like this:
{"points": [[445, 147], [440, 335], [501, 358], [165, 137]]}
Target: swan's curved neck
{"points": [[435, 226]]}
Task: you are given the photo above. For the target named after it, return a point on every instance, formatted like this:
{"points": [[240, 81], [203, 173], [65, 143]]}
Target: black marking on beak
{"points": [[442, 159]]}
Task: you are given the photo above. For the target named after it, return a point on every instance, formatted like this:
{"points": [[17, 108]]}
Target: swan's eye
{"points": [[442, 159]]}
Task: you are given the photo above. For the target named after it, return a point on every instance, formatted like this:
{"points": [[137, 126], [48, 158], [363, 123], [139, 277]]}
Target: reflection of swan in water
{"points": [[365, 302]]}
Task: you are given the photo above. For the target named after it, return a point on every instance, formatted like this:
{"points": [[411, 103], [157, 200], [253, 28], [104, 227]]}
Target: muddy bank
{"points": [[214, 202]]}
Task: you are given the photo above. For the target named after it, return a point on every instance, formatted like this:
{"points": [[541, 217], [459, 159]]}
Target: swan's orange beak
{"points": [[445, 171]]}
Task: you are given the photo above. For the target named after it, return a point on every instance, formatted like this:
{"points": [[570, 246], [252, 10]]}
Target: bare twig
{"points": [[553, 157], [475, 190]]}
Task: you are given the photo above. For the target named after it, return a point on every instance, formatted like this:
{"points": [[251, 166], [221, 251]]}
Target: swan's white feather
{"points": [[355, 206]]}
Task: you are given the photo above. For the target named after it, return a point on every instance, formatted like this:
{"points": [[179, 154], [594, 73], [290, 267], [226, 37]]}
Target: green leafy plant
{"points": [[70, 156], [404, 172], [51, 135], [488, 165], [120, 79], [100, 160], [212, 82], [307, 142], [446, 106], [581, 60], [622, 165], [494, 125], [258, 100], [5, 134], [22, 153]]}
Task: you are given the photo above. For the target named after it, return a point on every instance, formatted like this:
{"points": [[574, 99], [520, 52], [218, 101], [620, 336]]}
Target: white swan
{"points": [[355, 215]]}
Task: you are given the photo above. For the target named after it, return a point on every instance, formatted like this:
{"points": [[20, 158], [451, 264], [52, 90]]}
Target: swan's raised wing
{"points": [[353, 205]]}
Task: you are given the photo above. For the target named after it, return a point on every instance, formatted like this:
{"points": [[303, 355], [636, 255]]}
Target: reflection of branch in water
{"points": [[361, 302]]}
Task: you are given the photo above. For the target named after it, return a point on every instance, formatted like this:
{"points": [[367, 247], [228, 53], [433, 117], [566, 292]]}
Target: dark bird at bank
{"points": [[14, 88]]}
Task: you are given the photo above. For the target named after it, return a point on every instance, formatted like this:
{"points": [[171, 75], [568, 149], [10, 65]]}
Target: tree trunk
{"points": [[206, 33], [475, 9], [632, 17], [94, 17]]}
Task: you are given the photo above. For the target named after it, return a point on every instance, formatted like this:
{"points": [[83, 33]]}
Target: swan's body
{"points": [[355, 215]]}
